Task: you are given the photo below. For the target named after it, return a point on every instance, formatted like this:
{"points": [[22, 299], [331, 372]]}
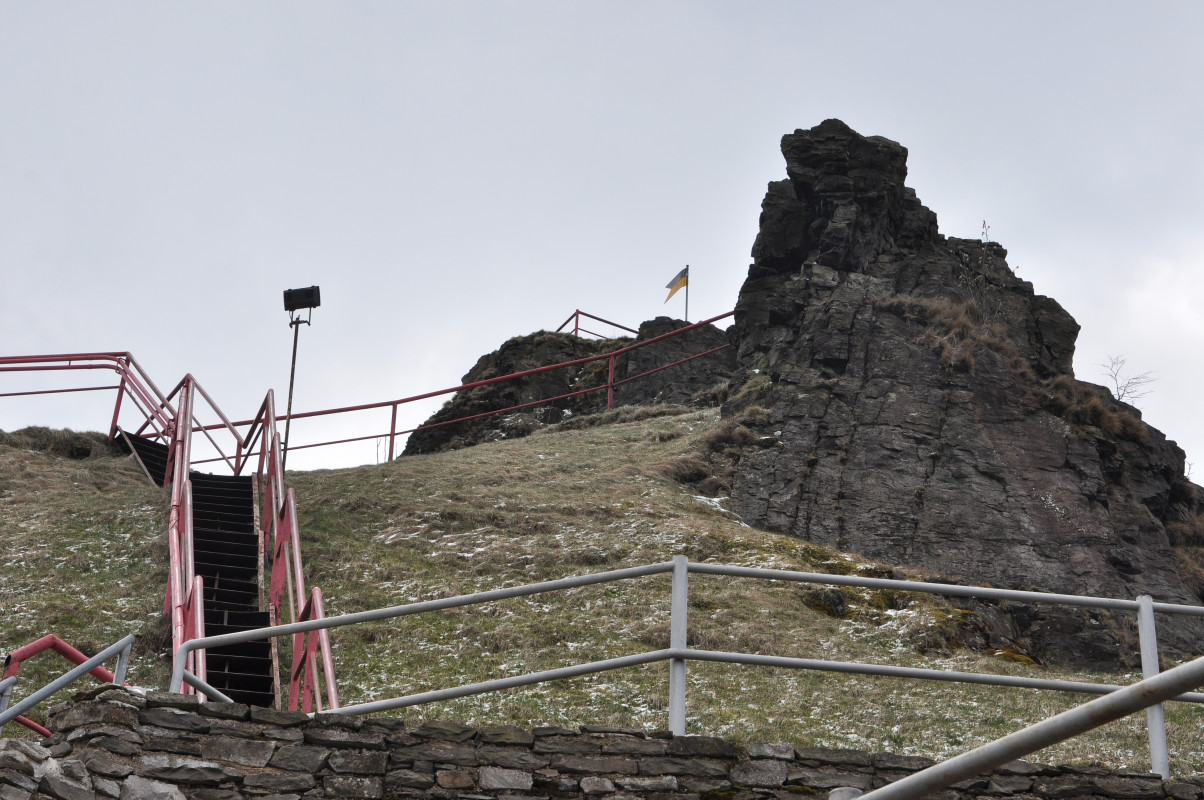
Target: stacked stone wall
{"points": [[113, 743]]}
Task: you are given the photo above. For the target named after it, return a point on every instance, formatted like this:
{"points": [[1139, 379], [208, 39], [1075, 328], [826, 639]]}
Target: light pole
{"points": [[295, 300]]}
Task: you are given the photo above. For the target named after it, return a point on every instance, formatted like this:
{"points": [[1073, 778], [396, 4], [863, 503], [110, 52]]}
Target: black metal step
{"points": [[230, 599], [208, 570], [217, 533], [261, 699], [234, 618], [241, 550], [151, 454], [240, 483], [218, 552], [245, 651], [224, 515]]}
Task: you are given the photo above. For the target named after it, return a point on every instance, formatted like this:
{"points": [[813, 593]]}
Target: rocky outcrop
{"points": [[113, 743], [678, 384], [517, 355], [636, 379], [925, 409]]}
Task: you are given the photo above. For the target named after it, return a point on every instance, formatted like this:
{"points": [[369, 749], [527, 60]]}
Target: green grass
{"points": [[562, 502], [82, 553]]}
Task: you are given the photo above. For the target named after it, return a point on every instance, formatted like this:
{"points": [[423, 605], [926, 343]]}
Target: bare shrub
{"points": [[1081, 404], [729, 435], [954, 329], [1127, 387], [1186, 533], [690, 468]]}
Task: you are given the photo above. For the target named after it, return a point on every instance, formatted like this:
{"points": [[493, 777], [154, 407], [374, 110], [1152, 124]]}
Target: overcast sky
{"points": [[456, 173]]}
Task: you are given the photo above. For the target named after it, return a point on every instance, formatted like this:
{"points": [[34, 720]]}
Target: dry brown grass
{"points": [[955, 329], [1084, 404]]}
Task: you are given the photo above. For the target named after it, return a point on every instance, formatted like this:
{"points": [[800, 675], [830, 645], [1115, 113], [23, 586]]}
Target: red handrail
{"points": [[134, 382], [576, 316], [184, 600], [393, 432], [281, 537], [12, 665]]}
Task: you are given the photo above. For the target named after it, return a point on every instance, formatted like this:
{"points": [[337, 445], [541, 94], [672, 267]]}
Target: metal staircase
{"points": [[225, 554]]}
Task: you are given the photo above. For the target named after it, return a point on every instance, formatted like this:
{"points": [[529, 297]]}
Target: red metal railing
{"points": [[156, 410], [162, 414], [279, 532], [12, 665], [608, 386], [184, 600], [576, 316]]}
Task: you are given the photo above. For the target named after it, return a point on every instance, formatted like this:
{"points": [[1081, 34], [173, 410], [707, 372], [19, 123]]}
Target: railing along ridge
{"points": [[678, 652], [159, 415]]}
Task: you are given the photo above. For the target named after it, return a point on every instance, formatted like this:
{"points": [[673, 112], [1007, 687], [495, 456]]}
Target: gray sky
{"points": [[456, 173]]}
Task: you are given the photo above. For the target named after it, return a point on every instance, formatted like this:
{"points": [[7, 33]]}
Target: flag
{"points": [[679, 280]]}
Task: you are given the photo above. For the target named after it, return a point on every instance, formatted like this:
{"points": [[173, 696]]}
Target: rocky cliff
{"points": [[925, 410], [907, 397]]}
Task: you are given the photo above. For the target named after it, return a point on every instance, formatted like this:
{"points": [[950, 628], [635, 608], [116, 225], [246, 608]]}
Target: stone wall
{"points": [[113, 743]]}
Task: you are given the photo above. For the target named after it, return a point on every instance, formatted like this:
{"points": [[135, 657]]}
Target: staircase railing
{"points": [[52, 643], [279, 532], [156, 410], [185, 600]]}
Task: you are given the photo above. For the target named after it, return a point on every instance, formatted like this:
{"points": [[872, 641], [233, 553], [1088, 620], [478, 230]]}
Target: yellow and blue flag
{"points": [[679, 280]]}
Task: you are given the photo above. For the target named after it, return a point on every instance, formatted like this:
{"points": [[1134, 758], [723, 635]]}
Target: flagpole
{"points": [[687, 292]]}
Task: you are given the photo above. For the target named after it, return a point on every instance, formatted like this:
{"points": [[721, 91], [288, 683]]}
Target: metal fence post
{"points": [[610, 385], [1154, 720], [117, 407], [677, 641], [123, 663], [392, 431]]}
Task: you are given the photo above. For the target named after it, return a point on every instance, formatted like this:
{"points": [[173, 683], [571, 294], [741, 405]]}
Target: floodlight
{"points": [[297, 299]]}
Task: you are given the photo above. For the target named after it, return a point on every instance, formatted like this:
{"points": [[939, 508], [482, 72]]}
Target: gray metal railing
{"points": [[120, 650], [678, 653], [1146, 694]]}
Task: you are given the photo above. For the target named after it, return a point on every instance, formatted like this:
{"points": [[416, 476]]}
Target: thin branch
{"points": [[1126, 388]]}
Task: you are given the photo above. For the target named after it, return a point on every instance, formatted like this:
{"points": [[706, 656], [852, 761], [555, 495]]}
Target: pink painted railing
{"points": [[575, 318], [608, 386], [12, 665], [279, 532], [184, 600], [156, 412]]}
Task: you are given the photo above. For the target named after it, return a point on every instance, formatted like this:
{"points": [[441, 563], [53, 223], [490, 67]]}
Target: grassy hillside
{"points": [[82, 553], [563, 502]]}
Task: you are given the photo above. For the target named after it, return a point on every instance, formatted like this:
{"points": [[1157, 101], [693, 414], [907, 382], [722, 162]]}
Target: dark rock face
{"points": [[517, 355], [681, 383], [674, 385], [926, 412]]}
